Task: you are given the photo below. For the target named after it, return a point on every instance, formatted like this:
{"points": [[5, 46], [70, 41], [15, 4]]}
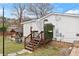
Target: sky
{"points": [[8, 7], [58, 8], [65, 7]]}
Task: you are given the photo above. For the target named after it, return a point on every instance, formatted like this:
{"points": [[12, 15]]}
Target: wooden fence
{"points": [[6, 33]]}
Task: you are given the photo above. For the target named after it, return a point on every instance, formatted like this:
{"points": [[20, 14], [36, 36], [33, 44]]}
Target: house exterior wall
{"points": [[66, 27], [40, 25], [26, 28]]}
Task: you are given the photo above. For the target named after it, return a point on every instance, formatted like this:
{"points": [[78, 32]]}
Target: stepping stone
{"points": [[23, 51], [75, 52], [12, 54], [70, 48]]}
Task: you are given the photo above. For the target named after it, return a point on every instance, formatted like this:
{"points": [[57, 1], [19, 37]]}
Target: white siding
{"points": [[26, 28], [40, 25], [68, 26]]}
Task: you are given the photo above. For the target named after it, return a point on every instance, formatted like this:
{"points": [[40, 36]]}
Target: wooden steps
{"points": [[30, 49], [35, 41], [32, 45]]}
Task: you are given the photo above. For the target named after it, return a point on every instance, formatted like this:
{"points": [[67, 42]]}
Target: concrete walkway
{"points": [[74, 52], [65, 51], [1, 54], [19, 52]]}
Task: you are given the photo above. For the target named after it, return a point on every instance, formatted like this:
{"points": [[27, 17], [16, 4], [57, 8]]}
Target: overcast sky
{"points": [[58, 8]]}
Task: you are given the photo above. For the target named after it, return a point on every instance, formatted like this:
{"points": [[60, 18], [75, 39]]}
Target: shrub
{"points": [[3, 29], [48, 31]]}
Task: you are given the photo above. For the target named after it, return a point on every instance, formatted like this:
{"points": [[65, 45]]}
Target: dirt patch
{"points": [[64, 47], [76, 44], [5, 33], [61, 44]]}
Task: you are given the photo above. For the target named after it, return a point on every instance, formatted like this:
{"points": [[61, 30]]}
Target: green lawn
{"points": [[43, 51], [12, 46], [1, 44]]}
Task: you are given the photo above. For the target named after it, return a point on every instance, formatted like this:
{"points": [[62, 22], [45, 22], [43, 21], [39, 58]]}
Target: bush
{"points": [[3, 29], [48, 31]]}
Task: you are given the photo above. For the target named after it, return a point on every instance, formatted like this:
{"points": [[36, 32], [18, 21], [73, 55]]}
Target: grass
{"points": [[12, 46], [43, 51], [1, 44], [1, 25]]}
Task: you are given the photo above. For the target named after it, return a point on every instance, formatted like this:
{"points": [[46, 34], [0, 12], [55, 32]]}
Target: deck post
{"points": [[24, 43], [41, 37], [31, 33], [44, 40], [32, 39]]}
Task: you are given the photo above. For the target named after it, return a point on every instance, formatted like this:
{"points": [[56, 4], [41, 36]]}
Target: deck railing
{"points": [[31, 37], [26, 39]]}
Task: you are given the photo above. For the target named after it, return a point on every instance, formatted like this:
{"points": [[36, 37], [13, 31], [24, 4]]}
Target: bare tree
{"points": [[19, 11], [39, 9]]}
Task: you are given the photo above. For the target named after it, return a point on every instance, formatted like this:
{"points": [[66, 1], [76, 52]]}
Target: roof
{"points": [[15, 27], [28, 21], [70, 15]]}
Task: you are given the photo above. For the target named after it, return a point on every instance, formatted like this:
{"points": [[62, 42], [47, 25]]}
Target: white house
{"points": [[66, 26]]}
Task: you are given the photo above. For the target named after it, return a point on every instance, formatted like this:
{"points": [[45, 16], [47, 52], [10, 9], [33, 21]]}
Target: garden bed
{"points": [[47, 50]]}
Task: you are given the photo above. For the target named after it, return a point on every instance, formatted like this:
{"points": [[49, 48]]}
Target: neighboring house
{"points": [[15, 28], [1, 20], [66, 26]]}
